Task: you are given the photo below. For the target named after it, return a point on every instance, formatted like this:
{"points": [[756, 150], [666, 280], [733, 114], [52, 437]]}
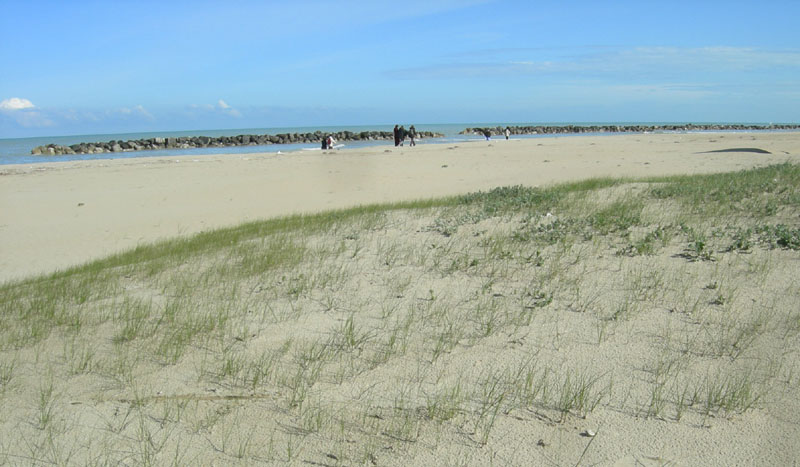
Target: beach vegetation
{"points": [[388, 333]]}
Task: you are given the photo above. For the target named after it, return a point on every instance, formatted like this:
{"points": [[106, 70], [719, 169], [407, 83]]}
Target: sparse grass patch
{"points": [[618, 216], [723, 194], [46, 404], [729, 394], [650, 243], [7, 366]]}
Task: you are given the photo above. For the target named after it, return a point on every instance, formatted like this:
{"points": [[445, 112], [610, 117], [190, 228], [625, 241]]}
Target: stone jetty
{"points": [[190, 142], [572, 129]]}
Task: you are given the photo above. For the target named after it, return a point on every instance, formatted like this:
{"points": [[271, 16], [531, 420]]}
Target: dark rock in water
{"points": [[52, 150]]}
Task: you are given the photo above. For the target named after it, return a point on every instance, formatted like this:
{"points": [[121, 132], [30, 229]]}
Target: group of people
{"points": [[400, 134], [488, 134], [328, 142]]}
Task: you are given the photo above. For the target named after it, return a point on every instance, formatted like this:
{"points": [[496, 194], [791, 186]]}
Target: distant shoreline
{"points": [[577, 129], [195, 142], [18, 150]]}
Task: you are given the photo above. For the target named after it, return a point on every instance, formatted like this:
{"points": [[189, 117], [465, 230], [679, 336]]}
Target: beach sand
{"points": [[56, 215], [617, 326]]}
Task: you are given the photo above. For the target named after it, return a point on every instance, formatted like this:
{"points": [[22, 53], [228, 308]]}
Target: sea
{"points": [[18, 150]]}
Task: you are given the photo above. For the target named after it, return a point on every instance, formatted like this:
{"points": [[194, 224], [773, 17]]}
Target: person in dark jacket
{"points": [[396, 136], [412, 133]]}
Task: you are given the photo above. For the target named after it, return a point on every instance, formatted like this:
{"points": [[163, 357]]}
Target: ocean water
{"points": [[18, 150]]}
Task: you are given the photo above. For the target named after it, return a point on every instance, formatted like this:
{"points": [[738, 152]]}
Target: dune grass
{"points": [[406, 332]]}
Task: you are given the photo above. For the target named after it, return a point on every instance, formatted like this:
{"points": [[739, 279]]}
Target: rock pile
{"points": [[549, 130], [190, 142]]}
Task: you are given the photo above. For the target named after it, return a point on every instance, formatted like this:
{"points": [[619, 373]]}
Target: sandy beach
{"points": [[56, 215], [612, 322]]}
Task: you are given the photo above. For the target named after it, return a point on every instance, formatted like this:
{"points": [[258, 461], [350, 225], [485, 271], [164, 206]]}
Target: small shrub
{"points": [[779, 236], [741, 240]]}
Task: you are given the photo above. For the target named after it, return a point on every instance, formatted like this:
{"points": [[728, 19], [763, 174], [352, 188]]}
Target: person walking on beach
{"points": [[508, 132], [412, 133], [487, 134], [396, 136], [331, 141], [402, 132], [324, 143]]}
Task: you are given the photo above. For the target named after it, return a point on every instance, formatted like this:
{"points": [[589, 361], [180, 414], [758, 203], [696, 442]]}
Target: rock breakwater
{"points": [[191, 142], [565, 129]]}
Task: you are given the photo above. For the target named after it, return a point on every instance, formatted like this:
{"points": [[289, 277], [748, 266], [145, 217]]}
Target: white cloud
{"points": [[227, 109], [207, 107], [136, 111], [24, 113], [16, 103], [33, 119], [221, 107], [139, 109]]}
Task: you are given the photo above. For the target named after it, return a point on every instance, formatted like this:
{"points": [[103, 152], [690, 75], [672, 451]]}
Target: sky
{"points": [[93, 67]]}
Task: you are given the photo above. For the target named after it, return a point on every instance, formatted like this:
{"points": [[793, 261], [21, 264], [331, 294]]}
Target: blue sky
{"points": [[83, 67]]}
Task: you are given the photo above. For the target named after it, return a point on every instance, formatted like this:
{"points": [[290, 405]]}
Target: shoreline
{"points": [[249, 141], [61, 214], [264, 140]]}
